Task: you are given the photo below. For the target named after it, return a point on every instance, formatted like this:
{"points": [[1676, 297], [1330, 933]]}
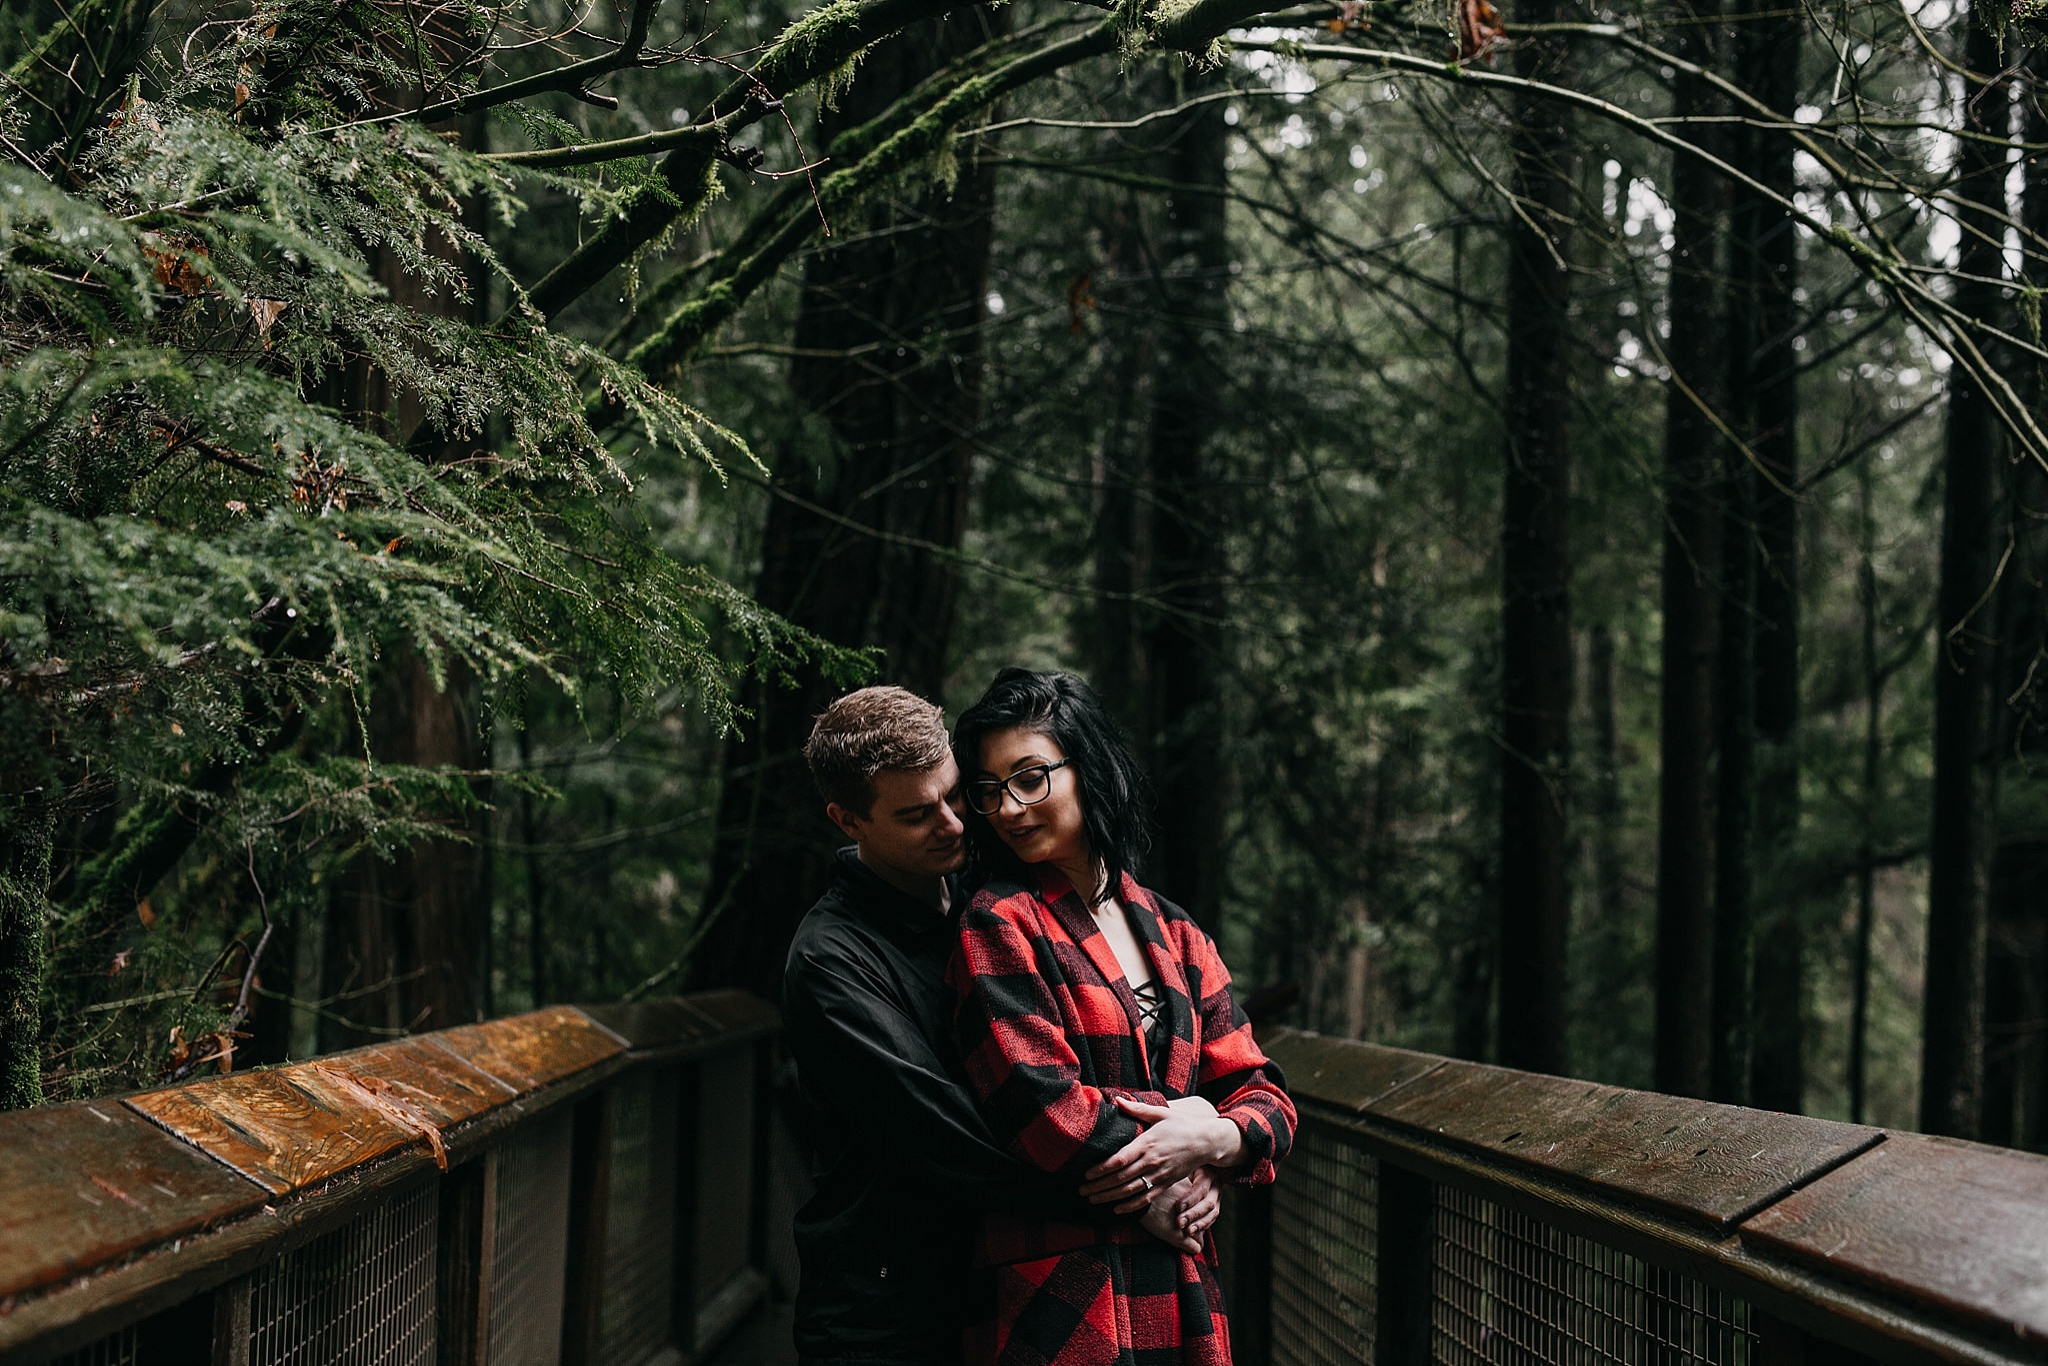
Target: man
{"points": [[905, 1162]]}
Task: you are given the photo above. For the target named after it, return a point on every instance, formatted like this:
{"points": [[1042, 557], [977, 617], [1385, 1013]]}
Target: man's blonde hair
{"points": [[867, 732]]}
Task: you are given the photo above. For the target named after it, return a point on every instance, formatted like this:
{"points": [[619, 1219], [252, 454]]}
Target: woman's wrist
{"points": [[1229, 1147]]}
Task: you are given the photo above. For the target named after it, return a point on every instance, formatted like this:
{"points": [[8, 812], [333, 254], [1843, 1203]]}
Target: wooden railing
{"points": [[591, 1186], [575, 1185], [1445, 1211]]}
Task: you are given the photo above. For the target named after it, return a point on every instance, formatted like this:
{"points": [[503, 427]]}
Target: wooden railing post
{"points": [[459, 1291], [231, 1323], [685, 1301], [1404, 1295], [589, 1205]]}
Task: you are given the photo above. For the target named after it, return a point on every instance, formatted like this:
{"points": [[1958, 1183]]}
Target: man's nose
{"points": [[951, 819]]}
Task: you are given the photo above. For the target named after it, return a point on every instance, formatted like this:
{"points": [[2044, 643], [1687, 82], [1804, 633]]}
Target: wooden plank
{"points": [[734, 1012], [430, 1082], [281, 1132], [88, 1183], [655, 1025], [1956, 1227], [1342, 1072], [1709, 1164], [529, 1051]]}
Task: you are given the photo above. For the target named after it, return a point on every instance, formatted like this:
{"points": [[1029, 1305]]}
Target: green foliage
{"points": [[259, 437]]}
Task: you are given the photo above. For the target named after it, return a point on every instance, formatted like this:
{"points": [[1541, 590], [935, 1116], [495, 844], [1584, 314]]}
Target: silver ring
{"points": [[1148, 1183]]}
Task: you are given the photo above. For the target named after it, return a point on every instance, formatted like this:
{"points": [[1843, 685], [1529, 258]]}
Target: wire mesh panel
{"points": [[639, 1255], [1513, 1289], [362, 1295], [1325, 1250], [115, 1349], [530, 1243]]}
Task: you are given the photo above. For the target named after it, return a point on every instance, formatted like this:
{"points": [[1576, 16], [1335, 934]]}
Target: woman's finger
{"points": [[1138, 1109], [1116, 1162]]}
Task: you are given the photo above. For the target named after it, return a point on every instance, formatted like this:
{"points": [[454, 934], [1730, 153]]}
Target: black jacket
{"points": [[905, 1163]]}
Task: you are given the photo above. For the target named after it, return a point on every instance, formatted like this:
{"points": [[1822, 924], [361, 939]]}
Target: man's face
{"points": [[912, 828]]}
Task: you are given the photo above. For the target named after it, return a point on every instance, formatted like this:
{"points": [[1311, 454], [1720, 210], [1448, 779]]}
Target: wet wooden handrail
{"points": [[1837, 1242], [116, 1212]]}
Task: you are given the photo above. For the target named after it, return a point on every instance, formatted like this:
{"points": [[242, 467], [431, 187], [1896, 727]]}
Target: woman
{"points": [[1099, 1031]]}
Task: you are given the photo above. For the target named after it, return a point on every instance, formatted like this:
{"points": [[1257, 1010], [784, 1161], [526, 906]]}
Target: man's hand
{"points": [[1181, 1214], [1179, 1138], [1200, 1202]]}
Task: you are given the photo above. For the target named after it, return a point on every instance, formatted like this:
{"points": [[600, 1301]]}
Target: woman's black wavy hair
{"points": [[1116, 799]]}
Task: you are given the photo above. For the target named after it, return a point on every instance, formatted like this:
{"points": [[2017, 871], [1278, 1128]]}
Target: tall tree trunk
{"points": [[1768, 258], [1536, 640], [1691, 586], [1873, 756], [1965, 794], [890, 356], [1735, 745], [1182, 632], [2016, 985], [407, 936]]}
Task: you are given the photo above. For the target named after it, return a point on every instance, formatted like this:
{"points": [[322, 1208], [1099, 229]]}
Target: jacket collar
{"points": [[867, 894]]}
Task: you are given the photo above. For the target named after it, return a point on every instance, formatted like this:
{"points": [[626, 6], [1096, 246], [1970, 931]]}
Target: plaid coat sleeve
{"points": [[1233, 1073], [1015, 1040]]}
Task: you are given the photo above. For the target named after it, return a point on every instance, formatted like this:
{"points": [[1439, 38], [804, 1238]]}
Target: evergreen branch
{"points": [[808, 50], [691, 325], [574, 78]]}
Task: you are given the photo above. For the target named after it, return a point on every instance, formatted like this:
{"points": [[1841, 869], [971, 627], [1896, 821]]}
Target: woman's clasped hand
{"points": [[1180, 1137]]}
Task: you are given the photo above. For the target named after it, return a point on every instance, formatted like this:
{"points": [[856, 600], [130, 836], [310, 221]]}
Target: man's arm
{"points": [[870, 1067]]}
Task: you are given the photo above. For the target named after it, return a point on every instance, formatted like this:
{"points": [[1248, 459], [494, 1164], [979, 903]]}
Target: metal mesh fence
{"points": [[115, 1349], [362, 1295], [530, 1243], [639, 1254], [1325, 1250], [1510, 1289]]}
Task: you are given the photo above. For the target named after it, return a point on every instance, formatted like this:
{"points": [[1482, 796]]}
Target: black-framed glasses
{"points": [[1028, 785]]}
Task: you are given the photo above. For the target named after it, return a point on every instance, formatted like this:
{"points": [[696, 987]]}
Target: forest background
{"points": [[1556, 494]]}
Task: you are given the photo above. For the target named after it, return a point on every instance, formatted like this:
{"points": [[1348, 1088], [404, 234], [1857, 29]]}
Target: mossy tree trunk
{"points": [[889, 352]]}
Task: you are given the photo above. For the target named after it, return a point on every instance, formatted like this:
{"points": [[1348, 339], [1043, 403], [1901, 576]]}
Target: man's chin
{"points": [[950, 863]]}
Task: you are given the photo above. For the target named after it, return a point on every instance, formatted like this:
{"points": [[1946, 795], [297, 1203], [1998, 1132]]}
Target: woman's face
{"points": [[1049, 830]]}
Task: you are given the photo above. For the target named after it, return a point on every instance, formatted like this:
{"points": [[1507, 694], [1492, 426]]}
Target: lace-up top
{"points": [[1152, 1017]]}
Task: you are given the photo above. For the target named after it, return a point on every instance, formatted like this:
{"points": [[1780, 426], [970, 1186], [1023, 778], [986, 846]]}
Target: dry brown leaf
{"points": [[1479, 28], [145, 914], [266, 313], [181, 1048]]}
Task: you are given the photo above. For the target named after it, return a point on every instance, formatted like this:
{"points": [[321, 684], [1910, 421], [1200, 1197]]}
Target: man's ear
{"points": [[849, 824]]}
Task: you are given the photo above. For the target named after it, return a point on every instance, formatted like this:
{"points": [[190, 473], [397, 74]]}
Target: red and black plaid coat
{"points": [[1050, 1033]]}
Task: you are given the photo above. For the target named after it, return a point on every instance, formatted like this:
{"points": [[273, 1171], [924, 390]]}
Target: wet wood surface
{"points": [[1959, 1227], [281, 1130], [1710, 1164], [1339, 1071], [418, 1074], [678, 1024], [87, 1184], [530, 1051]]}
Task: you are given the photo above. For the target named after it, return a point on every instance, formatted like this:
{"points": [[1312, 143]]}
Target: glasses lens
{"points": [[1030, 785], [986, 798]]}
